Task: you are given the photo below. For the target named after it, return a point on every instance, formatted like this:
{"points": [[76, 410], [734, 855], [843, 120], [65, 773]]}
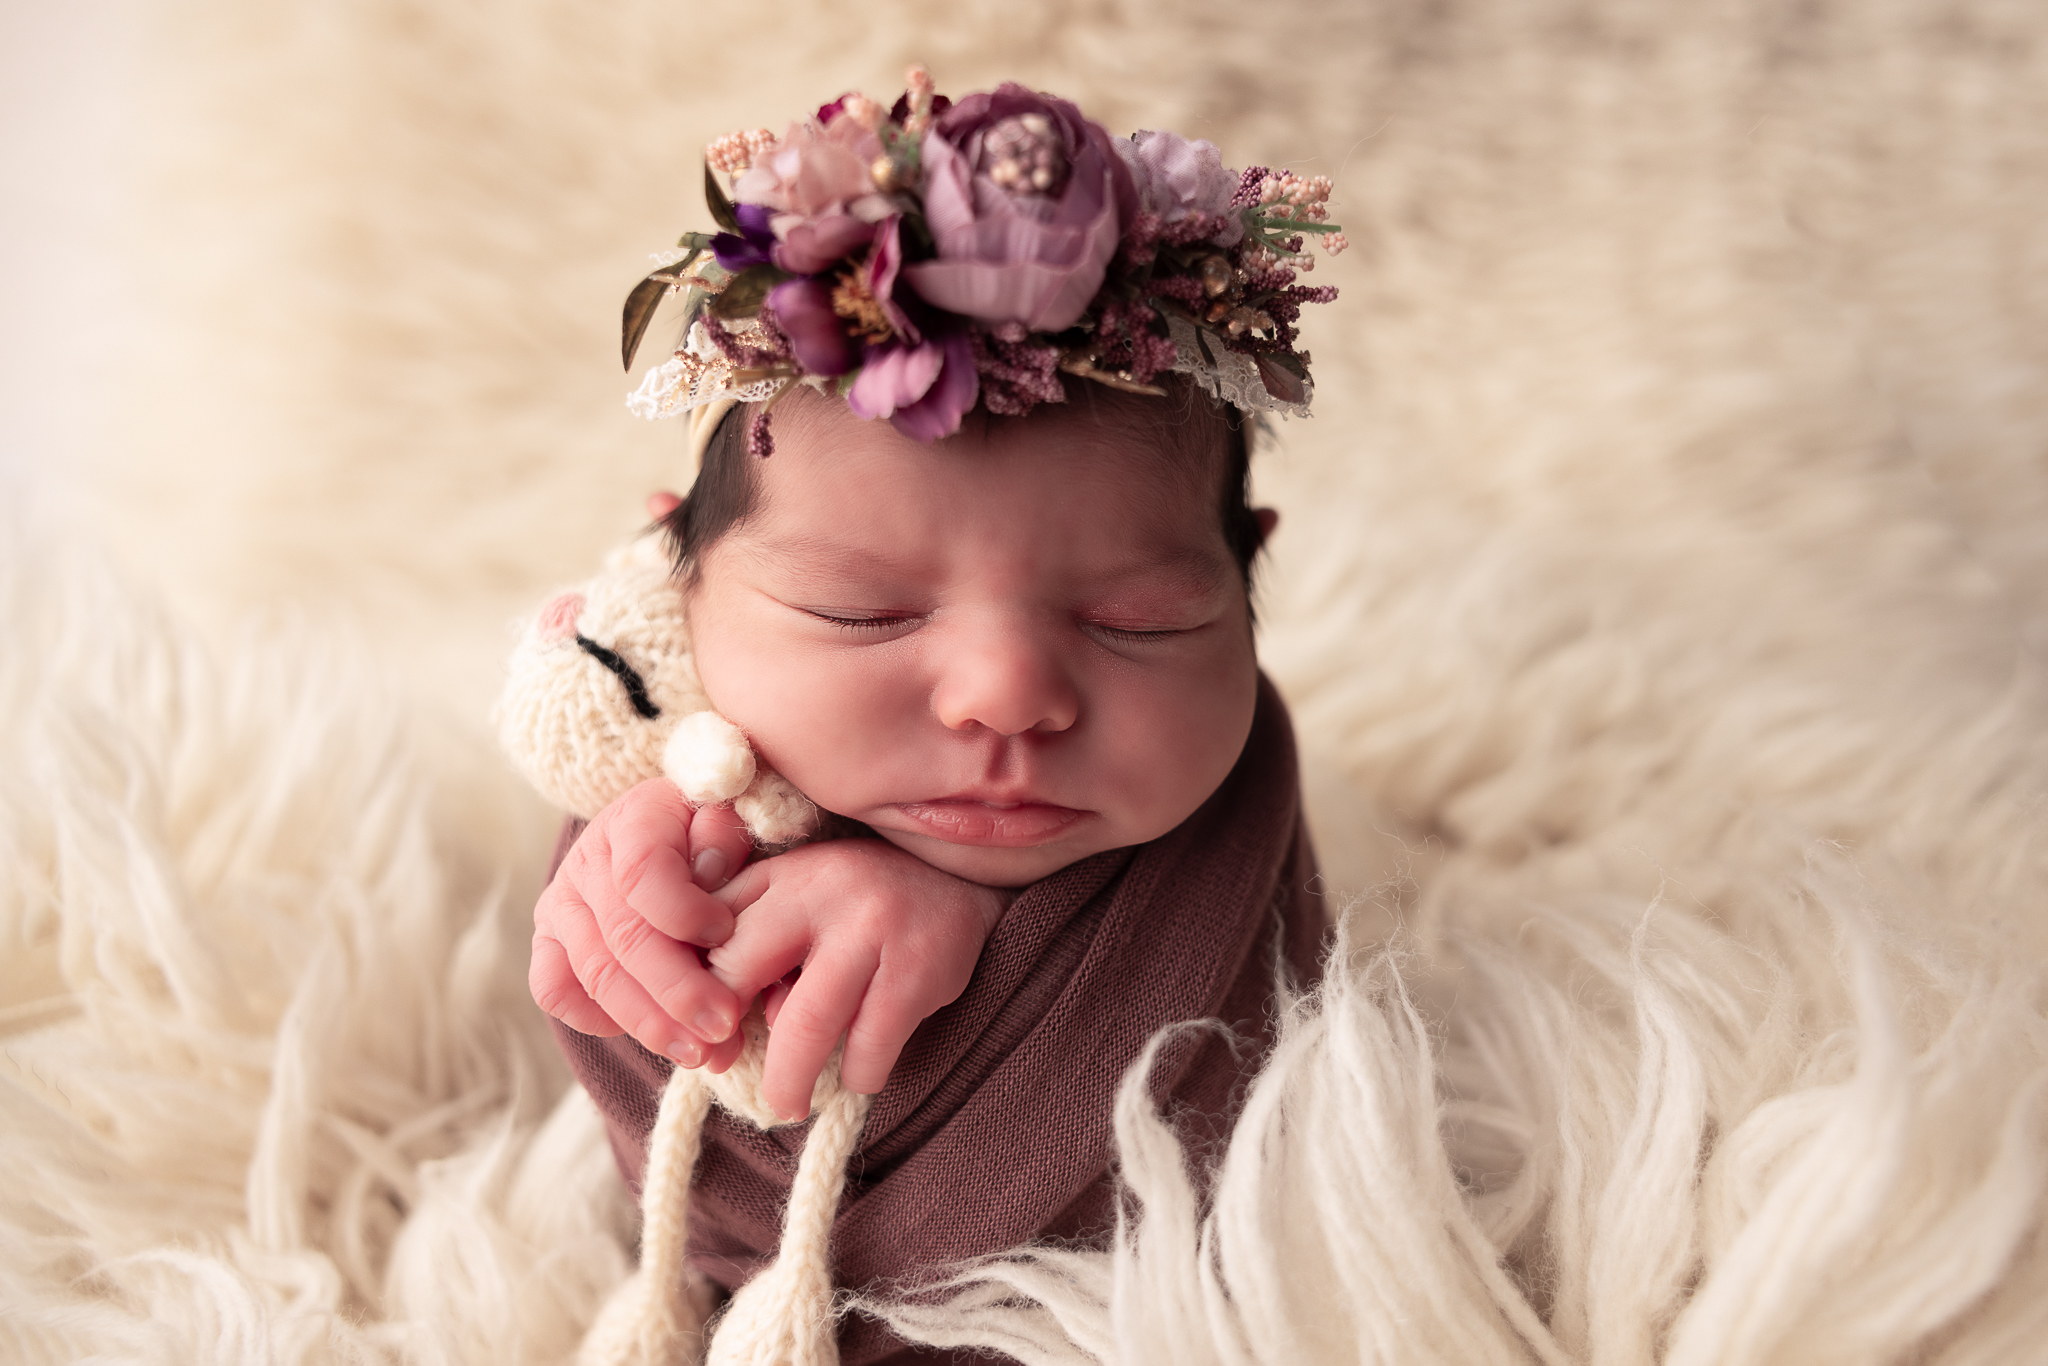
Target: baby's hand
{"points": [[616, 934], [883, 940]]}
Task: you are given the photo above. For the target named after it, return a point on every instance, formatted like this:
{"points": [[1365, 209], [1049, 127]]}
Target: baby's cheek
{"points": [[817, 722], [1175, 746]]}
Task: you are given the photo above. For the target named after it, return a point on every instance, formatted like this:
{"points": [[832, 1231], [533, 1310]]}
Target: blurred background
{"points": [[1660, 594]]}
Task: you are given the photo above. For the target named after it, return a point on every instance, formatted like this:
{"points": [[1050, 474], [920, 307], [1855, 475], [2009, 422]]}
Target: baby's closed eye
{"points": [[863, 621]]}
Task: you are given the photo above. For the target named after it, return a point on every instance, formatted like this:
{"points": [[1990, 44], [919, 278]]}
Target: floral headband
{"points": [[921, 258]]}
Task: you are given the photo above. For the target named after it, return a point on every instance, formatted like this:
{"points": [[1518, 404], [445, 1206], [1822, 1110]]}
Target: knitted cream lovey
{"points": [[602, 694]]}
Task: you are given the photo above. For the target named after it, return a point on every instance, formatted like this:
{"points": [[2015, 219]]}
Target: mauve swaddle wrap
{"points": [[995, 1126]]}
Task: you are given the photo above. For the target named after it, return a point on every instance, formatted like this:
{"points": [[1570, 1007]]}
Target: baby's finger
{"points": [[556, 991], [613, 989], [774, 996], [876, 1038], [668, 971], [649, 839], [820, 1006], [766, 944], [748, 885], [719, 845], [719, 1056]]}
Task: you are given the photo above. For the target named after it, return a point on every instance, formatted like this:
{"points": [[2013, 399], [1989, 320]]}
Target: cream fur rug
{"points": [[1661, 591]]}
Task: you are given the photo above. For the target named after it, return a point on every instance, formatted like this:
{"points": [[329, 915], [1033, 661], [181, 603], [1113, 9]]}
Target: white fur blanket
{"points": [[1660, 591]]}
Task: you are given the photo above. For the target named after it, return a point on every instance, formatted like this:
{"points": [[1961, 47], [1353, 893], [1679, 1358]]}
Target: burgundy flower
{"points": [[1026, 201], [923, 390], [803, 310]]}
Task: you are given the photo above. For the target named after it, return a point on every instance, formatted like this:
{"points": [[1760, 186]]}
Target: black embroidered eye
{"points": [[636, 686]]}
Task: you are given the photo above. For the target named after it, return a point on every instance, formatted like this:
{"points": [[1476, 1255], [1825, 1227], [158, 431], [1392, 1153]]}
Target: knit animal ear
{"points": [[602, 693]]}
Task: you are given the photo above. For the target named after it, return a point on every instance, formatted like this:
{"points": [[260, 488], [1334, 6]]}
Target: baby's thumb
{"points": [[719, 846]]}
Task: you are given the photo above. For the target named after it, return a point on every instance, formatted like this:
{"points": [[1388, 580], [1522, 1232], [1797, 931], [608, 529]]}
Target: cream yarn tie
{"points": [[783, 1316]]}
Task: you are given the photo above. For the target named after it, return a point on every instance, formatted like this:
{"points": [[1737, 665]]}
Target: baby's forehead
{"points": [[1160, 453]]}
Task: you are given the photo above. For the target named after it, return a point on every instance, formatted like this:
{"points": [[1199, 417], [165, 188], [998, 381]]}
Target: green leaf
{"points": [[640, 307], [742, 298], [721, 207], [643, 302]]}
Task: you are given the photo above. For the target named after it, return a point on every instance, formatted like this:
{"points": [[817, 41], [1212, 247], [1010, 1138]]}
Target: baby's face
{"points": [[1007, 651]]}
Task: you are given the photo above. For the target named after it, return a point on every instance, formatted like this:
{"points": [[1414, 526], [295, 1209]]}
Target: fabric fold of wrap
{"points": [[995, 1128]]}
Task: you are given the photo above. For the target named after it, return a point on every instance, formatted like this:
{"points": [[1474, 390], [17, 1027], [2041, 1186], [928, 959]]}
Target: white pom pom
{"points": [[708, 758], [775, 812]]}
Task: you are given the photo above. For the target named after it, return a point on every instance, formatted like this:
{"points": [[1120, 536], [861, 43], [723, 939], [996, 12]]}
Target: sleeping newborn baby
{"points": [[1002, 640], [1018, 665]]}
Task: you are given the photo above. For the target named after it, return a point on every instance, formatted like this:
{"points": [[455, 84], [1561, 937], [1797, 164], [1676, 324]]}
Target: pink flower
{"points": [[1176, 176], [819, 185], [1026, 201], [923, 390], [812, 170]]}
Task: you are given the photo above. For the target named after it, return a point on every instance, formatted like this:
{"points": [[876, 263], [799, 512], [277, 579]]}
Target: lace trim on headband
{"points": [[696, 375], [1232, 376]]}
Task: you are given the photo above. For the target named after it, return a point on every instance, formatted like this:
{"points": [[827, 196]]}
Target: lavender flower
{"points": [[1177, 176], [803, 310], [1026, 201]]}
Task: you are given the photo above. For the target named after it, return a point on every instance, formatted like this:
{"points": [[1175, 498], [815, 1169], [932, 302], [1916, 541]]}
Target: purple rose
{"points": [[1026, 201], [1176, 177], [923, 390]]}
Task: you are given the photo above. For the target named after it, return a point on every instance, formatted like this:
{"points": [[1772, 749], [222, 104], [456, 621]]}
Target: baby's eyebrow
{"points": [[1193, 567], [821, 554]]}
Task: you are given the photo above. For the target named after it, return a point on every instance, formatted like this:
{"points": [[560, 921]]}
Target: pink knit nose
{"points": [[558, 618]]}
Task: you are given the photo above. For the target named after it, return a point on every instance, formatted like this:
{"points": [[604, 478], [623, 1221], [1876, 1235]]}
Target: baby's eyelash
{"points": [[860, 623], [1119, 633]]}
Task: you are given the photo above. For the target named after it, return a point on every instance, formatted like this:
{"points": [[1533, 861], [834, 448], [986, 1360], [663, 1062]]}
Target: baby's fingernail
{"points": [[710, 869], [713, 1024], [795, 1116], [686, 1053]]}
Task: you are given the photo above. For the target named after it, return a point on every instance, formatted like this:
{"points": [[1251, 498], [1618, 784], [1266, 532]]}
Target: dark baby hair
{"points": [[724, 492]]}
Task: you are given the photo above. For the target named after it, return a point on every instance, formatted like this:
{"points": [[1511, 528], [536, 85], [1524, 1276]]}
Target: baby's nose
{"points": [[558, 618], [1009, 682]]}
